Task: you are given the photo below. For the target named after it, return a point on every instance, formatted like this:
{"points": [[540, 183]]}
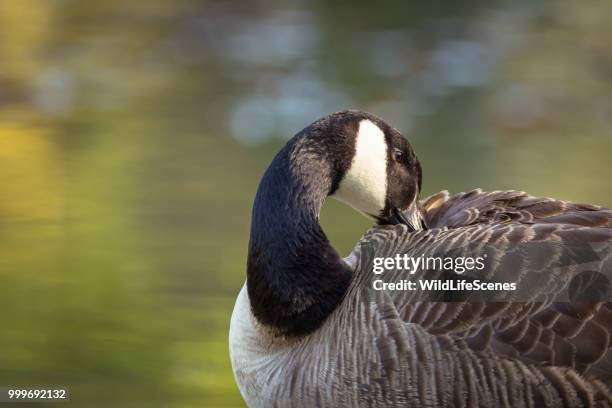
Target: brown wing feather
{"points": [[575, 335], [479, 207], [542, 329]]}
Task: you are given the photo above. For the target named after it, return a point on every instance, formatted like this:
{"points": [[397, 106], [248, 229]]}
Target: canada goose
{"points": [[305, 332]]}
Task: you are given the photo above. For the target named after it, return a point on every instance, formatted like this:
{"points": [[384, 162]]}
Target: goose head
{"points": [[295, 278], [382, 179]]}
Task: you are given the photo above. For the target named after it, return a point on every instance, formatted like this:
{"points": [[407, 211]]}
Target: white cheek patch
{"points": [[364, 186]]}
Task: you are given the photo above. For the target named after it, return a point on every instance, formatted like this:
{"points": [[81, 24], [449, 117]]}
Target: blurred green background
{"points": [[133, 135]]}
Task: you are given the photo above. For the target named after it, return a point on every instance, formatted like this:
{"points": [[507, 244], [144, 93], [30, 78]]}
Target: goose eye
{"points": [[398, 155]]}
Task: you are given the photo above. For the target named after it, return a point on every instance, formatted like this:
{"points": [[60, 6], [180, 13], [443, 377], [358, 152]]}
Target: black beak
{"points": [[396, 217], [412, 217]]}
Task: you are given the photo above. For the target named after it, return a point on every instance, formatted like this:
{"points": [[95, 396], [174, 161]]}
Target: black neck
{"points": [[295, 278]]}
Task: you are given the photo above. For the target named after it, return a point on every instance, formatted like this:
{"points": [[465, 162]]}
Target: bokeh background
{"points": [[133, 135]]}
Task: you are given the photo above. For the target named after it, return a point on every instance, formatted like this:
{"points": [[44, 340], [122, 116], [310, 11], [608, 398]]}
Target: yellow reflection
{"points": [[23, 32], [31, 176]]}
